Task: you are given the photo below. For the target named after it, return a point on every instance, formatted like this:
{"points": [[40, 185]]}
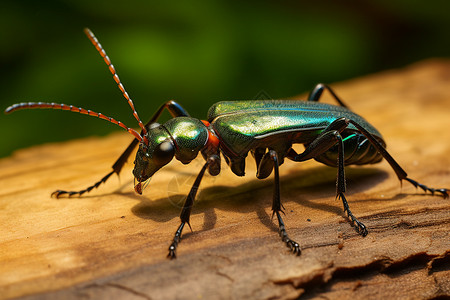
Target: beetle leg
{"points": [[316, 93], [187, 207], [401, 174], [277, 207], [186, 212], [327, 139], [444, 192], [174, 109], [258, 154]]}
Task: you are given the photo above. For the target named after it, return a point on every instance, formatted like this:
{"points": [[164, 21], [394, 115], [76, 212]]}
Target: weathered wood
{"points": [[113, 242]]}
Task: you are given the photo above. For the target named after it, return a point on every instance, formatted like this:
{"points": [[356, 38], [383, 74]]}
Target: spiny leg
{"points": [[327, 139], [175, 109], [187, 207], [341, 188], [317, 92], [358, 225], [401, 174], [444, 192], [277, 206], [59, 193]]}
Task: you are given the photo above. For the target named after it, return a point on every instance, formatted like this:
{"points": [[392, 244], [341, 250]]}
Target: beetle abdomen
{"points": [[357, 151]]}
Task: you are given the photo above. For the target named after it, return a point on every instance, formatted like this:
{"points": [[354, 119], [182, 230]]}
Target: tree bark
{"points": [[113, 243]]}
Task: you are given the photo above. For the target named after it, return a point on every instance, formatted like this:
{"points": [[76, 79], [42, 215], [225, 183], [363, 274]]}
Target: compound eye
{"points": [[163, 153]]}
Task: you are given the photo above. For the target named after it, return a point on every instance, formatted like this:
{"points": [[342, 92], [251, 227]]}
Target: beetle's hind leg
{"points": [[443, 192], [277, 207], [401, 174], [327, 139], [317, 92]]}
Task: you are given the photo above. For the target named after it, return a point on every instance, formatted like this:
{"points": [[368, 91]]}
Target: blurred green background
{"points": [[196, 52]]}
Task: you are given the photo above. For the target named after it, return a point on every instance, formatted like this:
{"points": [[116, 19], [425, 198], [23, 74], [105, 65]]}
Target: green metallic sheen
{"points": [[190, 136], [145, 166], [245, 125]]}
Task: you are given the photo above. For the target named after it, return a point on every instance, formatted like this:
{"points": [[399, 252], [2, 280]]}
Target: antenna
{"points": [[102, 52], [44, 105]]}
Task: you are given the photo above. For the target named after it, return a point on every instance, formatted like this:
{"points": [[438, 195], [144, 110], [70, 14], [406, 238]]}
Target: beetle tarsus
{"points": [[176, 240], [433, 191], [292, 245], [172, 252], [173, 249], [358, 225], [59, 193], [186, 211], [277, 207]]}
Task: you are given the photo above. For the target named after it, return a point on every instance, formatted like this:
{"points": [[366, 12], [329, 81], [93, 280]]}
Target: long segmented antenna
{"points": [[102, 52], [44, 105]]}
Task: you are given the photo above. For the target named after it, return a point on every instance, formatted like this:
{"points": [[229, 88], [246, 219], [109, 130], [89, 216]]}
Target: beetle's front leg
{"points": [[186, 212], [187, 208], [175, 109]]}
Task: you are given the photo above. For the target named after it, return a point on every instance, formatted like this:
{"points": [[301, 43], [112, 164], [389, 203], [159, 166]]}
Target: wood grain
{"points": [[113, 243]]}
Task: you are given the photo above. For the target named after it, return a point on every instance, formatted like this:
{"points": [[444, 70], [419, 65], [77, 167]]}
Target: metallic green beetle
{"points": [[331, 134]]}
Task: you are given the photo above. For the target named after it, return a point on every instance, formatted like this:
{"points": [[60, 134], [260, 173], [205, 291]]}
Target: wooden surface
{"points": [[113, 243]]}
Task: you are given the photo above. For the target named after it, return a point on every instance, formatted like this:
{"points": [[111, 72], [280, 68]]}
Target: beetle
{"points": [[332, 135]]}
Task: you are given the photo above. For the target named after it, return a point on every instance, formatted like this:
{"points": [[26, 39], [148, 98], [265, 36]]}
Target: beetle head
{"points": [[149, 159], [181, 137]]}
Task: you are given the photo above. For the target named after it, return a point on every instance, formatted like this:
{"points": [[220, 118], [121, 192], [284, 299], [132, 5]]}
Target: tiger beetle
{"points": [[331, 134]]}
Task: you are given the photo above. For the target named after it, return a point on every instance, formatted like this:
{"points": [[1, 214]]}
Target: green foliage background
{"points": [[196, 52]]}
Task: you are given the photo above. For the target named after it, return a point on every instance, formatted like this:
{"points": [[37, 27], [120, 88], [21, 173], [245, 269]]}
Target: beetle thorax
{"points": [[190, 136]]}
